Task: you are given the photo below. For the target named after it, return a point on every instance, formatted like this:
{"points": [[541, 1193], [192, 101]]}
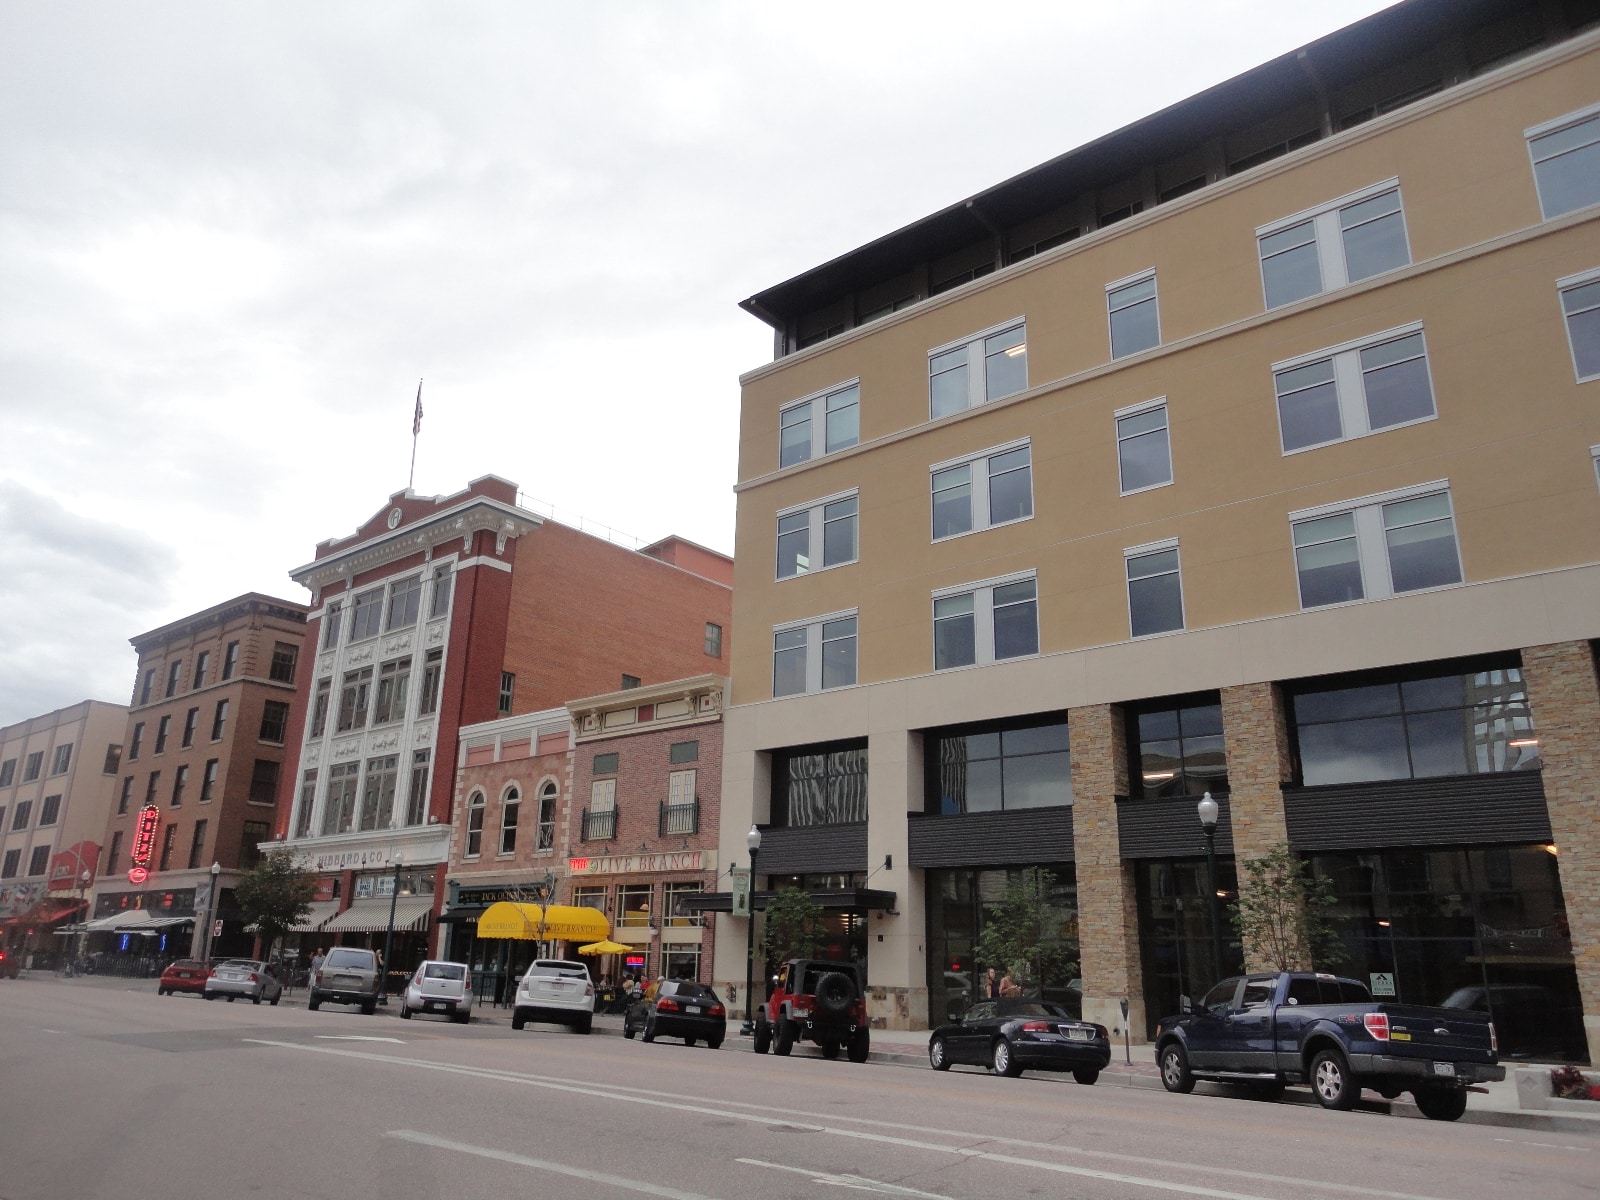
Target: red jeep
{"points": [[822, 1002]]}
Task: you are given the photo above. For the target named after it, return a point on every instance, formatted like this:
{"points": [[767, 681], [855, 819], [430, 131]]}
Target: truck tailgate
{"points": [[1448, 1034]]}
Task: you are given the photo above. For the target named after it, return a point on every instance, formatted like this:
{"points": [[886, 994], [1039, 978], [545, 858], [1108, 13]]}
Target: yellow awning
{"points": [[560, 923], [607, 947]]}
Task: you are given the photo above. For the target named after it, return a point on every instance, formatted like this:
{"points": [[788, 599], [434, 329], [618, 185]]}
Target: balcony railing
{"points": [[680, 818], [600, 826]]}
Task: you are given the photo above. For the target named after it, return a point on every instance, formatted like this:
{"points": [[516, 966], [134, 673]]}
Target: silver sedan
{"points": [[243, 977]]}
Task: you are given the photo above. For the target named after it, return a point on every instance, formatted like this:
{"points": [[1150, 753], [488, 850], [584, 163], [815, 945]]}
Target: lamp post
{"points": [[1207, 810], [753, 841], [211, 908], [83, 904], [388, 933]]}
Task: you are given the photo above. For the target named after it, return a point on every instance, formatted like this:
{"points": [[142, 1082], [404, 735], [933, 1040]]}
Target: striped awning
{"points": [[319, 912], [372, 916]]}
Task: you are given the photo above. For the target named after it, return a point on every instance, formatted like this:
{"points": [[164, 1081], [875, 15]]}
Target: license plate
{"points": [[1445, 1069], [430, 1005], [694, 1008], [1080, 1035]]}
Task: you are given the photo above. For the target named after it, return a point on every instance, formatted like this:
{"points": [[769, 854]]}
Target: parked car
{"points": [[1266, 1031], [439, 987], [242, 977], [682, 1008], [556, 991], [10, 967], [1016, 1035], [824, 1002], [185, 975], [347, 976]]}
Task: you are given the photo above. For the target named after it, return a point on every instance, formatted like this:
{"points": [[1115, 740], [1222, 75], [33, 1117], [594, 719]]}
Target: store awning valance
{"points": [[319, 912], [48, 911], [372, 916], [558, 922], [135, 920]]}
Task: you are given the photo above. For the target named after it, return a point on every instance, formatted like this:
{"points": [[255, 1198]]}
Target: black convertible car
{"points": [[1013, 1036]]}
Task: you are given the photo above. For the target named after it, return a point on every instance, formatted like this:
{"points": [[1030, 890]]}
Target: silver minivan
{"points": [[439, 987]]}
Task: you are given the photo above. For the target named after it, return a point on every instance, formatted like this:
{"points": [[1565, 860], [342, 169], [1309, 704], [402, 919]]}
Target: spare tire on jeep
{"points": [[835, 993]]}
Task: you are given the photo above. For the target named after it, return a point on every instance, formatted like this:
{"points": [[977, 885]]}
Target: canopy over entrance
{"points": [[607, 947], [528, 923]]}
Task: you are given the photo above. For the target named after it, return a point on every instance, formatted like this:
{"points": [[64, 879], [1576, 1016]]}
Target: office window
{"points": [[1344, 241], [713, 640], [274, 721], [1580, 304], [985, 623], [339, 806], [49, 811], [510, 806], [230, 660], [39, 860], [998, 768], [820, 535], [547, 815], [197, 846], [168, 839], [174, 670], [1376, 547], [208, 780], [405, 603], [417, 798], [1144, 451], [284, 657], [377, 796], [145, 688], [1178, 751], [250, 839], [8, 772], [30, 768], [307, 801], [150, 787], [980, 491], [432, 672], [21, 814], [814, 656], [820, 424], [475, 804], [1350, 391], [163, 728], [366, 615], [202, 664], [394, 689], [219, 721], [180, 780], [191, 722], [125, 796], [114, 853], [354, 699], [1131, 312], [508, 687], [332, 617], [629, 682], [135, 742], [1155, 588], [986, 366], [13, 860], [443, 581], [61, 760], [319, 707], [820, 785], [113, 762], [683, 752], [1566, 161]]}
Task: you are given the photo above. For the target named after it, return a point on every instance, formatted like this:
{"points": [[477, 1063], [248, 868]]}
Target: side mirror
{"points": [[957, 1018], [1185, 1005]]}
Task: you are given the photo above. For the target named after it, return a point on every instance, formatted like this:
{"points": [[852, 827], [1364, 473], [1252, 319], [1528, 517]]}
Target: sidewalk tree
{"points": [[793, 928], [274, 896], [1284, 914], [1027, 933]]}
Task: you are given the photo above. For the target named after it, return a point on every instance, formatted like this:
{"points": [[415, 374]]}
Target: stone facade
{"points": [[1256, 734]]}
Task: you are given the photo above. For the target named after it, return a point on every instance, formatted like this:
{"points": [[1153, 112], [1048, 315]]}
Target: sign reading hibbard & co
{"points": [[628, 864]]}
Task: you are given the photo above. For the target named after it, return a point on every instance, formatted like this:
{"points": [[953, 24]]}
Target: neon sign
{"points": [[144, 842]]}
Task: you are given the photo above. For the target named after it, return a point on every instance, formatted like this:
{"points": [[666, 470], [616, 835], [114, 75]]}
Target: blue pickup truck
{"points": [[1267, 1031]]}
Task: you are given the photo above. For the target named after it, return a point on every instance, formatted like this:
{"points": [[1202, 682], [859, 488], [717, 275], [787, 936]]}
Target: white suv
{"points": [[556, 991], [441, 987]]}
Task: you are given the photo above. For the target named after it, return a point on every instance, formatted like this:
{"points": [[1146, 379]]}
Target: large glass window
{"points": [[366, 615], [417, 800], [339, 807], [815, 656], [988, 366], [394, 685], [821, 785], [475, 805], [1566, 162], [985, 624], [405, 603], [1354, 390], [354, 699], [1131, 309], [510, 809], [1463, 723], [1155, 589], [822, 535], [1175, 933], [377, 799], [1580, 304], [1378, 547], [1178, 751], [993, 487], [995, 768], [822, 424], [1341, 242], [1144, 452]]}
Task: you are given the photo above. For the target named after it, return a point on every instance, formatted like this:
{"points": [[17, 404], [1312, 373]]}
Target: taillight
{"points": [[799, 1003], [1377, 1024], [588, 989], [717, 1010], [667, 1004], [253, 977], [1494, 1039], [1036, 1027]]}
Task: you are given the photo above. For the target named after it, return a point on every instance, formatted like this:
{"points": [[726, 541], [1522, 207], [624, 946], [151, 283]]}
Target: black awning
{"points": [[847, 898], [463, 914]]}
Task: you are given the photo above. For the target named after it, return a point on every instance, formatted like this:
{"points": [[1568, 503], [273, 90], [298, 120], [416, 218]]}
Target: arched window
{"points": [[475, 824], [547, 815], [509, 807]]}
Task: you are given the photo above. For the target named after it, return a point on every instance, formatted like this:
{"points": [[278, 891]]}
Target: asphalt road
{"points": [[107, 1093]]}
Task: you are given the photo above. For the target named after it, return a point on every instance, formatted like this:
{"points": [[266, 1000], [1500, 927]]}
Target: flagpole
{"points": [[416, 428]]}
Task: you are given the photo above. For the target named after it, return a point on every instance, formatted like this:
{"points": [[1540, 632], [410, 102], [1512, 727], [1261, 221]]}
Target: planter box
{"points": [[1533, 1091]]}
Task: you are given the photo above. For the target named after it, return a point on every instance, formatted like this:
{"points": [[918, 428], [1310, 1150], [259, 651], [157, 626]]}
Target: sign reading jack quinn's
{"points": [[628, 864]]}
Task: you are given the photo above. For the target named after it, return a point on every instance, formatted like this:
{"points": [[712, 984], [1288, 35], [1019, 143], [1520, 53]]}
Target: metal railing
{"points": [[600, 826], [680, 818]]}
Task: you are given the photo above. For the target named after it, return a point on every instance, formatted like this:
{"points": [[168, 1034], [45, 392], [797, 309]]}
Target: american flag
{"points": [[416, 420]]}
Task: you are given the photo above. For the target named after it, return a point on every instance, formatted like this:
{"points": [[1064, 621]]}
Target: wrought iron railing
{"points": [[680, 818], [600, 826]]}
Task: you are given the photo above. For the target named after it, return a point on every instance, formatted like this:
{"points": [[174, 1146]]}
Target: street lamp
{"points": [[753, 841], [83, 904], [388, 933], [211, 908], [1207, 809]]}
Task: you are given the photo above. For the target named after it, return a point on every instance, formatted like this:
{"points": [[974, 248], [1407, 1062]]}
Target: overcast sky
{"points": [[233, 237]]}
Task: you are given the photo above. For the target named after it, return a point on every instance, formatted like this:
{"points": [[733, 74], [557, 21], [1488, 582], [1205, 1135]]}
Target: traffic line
{"points": [[1544, 1145], [540, 1164], [354, 1037], [859, 1183]]}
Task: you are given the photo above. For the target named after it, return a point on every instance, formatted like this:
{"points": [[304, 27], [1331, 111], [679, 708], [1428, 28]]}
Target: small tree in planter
{"points": [[274, 896], [1282, 914], [793, 927], [1023, 932]]}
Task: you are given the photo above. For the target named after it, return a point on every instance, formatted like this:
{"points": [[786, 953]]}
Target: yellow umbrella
{"points": [[606, 947]]}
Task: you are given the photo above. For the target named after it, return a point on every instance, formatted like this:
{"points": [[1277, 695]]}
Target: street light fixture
{"points": [[753, 841], [83, 904], [388, 933], [1207, 810], [211, 908]]}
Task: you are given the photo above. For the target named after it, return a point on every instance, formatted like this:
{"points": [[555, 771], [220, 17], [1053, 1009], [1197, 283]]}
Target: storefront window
{"points": [[1177, 751], [1175, 932], [990, 768], [681, 962], [821, 785], [673, 907], [633, 904]]}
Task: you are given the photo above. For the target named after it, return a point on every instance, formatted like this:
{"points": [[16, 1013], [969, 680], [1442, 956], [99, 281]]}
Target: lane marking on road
{"points": [[355, 1037], [1545, 1145], [859, 1183], [765, 1116], [522, 1160]]}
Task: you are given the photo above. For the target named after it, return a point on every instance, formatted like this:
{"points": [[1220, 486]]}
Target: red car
{"points": [[9, 966], [185, 975]]}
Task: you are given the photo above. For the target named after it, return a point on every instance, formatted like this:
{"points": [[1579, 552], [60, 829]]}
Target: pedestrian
{"points": [[1009, 986], [651, 992], [991, 984], [316, 963]]}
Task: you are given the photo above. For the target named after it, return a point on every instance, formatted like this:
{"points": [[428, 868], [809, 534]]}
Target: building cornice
{"points": [[187, 627]]}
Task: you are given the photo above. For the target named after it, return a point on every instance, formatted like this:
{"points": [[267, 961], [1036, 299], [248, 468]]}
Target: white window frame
{"points": [[1133, 552], [813, 648], [1594, 458], [1329, 238], [817, 403], [977, 365], [1138, 410], [982, 592], [1349, 389], [814, 533], [1556, 125], [1562, 287], [1372, 548], [603, 795], [1116, 285], [980, 496]]}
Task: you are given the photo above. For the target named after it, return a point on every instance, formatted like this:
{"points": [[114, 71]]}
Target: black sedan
{"points": [[683, 1009], [1013, 1036]]}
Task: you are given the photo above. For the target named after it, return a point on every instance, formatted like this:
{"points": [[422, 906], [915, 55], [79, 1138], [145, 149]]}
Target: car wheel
{"points": [[313, 1002], [275, 999], [689, 1041], [762, 1040], [1086, 1075], [1175, 1074], [830, 1049], [1331, 1081], [464, 1018], [938, 1055], [649, 1034], [785, 1039], [627, 1028], [518, 1018], [1441, 1104], [161, 991], [231, 999], [1005, 1063], [714, 1043], [369, 1007], [859, 1046], [209, 995], [1269, 1092], [405, 1013], [256, 999], [586, 1025]]}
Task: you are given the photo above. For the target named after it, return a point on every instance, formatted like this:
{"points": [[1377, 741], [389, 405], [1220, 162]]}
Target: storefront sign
{"points": [[628, 864], [371, 856], [144, 842]]}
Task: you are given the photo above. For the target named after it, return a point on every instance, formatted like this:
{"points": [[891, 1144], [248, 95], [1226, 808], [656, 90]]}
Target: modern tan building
{"points": [[1250, 449]]}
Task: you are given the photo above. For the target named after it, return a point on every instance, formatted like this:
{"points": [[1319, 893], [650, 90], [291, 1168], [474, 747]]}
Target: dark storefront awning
{"points": [[48, 911], [851, 898], [463, 914]]}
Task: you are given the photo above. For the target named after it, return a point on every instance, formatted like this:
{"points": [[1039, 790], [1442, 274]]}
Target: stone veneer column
{"points": [[1255, 733], [1564, 694], [897, 945], [1108, 914]]}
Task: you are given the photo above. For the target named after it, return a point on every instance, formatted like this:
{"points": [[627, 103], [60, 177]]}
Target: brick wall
{"points": [[528, 773]]}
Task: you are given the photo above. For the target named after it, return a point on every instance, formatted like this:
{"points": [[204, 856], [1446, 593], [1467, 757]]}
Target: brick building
{"points": [[205, 745]]}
